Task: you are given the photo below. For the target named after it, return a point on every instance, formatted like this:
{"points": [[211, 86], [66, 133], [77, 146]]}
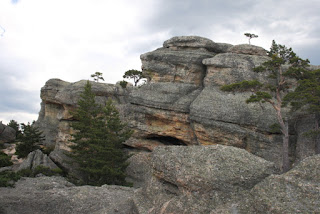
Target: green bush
{"points": [[8, 178], [5, 160], [46, 171], [47, 149], [25, 173], [123, 84]]}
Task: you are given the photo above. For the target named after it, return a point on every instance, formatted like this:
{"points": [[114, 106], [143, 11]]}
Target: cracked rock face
{"points": [[37, 158]]}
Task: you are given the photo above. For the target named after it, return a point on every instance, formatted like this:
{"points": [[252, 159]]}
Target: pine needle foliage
{"points": [[30, 138], [99, 134], [135, 75], [283, 64]]}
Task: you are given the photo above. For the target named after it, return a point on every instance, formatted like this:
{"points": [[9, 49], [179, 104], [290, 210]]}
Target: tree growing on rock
{"points": [[135, 75], [250, 36], [97, 76], [273, 92], [98, 138], [30, 139], [307, 95]]}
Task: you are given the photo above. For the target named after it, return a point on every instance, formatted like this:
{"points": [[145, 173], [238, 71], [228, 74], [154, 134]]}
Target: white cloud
{"points": [[20, 117], [72, 39]]}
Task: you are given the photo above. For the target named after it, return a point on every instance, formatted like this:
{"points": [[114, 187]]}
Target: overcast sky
{"points": [[72, 39]]}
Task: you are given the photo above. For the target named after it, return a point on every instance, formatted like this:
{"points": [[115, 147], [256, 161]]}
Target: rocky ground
{"points": [[177, 179]]}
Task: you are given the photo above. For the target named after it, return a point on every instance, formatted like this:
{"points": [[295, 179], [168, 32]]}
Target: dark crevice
{"points": [[167, 140], [169, 187], [133, 149]]}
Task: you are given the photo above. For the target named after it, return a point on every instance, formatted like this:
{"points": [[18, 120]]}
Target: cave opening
{"points": [[167, 140]]}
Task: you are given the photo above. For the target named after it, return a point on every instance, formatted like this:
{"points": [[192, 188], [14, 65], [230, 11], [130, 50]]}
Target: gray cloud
{"points": [[291, 23], [185, 17]]}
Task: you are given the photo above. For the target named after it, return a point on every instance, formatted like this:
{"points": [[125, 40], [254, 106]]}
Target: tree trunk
{"points": [[285, 148]]}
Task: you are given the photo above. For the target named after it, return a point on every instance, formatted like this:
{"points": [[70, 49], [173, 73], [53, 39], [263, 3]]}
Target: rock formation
{"points": [[186, 134], [182, 103], [7, 134], [35, 159]]}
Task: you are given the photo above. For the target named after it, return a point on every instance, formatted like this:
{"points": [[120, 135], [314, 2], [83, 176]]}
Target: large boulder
{"points": [[55, 195], [297, 191], [248, 49], [7, 134], [197, 179]]}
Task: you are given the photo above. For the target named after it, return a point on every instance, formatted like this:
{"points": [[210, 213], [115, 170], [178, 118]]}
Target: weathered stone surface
{"points": [[215, 105], [195, 42], [56, 195], [305, 145], [196, 179], [248, 49], [230, 68], [178, 66], [7, 134], [169, 96], [156, 124], [139, 169], [35, 159], [297, 191]]}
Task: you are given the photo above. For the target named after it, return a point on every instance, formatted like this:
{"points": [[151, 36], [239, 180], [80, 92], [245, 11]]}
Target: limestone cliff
{"points": [[181, 104]]}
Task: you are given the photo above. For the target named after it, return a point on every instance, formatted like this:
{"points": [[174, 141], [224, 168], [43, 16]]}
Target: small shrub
{"points": [[25, 173], [5, 160], [46, 171], [123, 84], [47, 149], [8, 178]]}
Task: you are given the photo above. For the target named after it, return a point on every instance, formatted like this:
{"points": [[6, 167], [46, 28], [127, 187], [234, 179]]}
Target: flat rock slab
{"points": [[56, 195]]}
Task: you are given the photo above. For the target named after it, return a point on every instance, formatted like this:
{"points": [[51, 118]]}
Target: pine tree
{"points": [[98, 138], [307, 94], [97, 76], [273, 93], [135, 75], [30, 139], [250, 36]]}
